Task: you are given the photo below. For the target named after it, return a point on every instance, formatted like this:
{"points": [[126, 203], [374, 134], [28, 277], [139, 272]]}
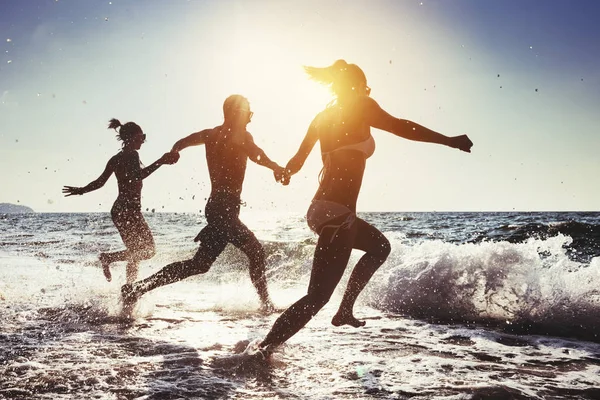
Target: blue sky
{"points": [[519, 77]]}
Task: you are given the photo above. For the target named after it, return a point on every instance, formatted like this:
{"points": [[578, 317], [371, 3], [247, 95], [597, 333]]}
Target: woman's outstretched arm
{"points": [[309, 141], [167, 158], [380, 119], [97, 184]]}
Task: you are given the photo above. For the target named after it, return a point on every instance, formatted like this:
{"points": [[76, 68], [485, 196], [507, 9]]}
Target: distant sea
{"points": [[467, 306]]}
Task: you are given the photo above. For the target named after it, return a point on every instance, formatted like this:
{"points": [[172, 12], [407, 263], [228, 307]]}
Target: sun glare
{"points": [[271, 76]]}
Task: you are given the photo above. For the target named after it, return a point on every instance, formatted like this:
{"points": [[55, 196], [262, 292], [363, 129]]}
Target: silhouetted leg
{"points": [[175, 272], [108, 258], [132, 257], [136, 235], [131, 271], [377, 248], [245, 240], [329, 263]]}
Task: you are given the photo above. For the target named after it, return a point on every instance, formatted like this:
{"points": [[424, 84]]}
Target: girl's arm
{"points": [[380, 119], [309, 141], [167, 158], [97, 184]]}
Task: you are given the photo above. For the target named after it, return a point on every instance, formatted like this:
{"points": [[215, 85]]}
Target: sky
{"points": [[521, 78]]}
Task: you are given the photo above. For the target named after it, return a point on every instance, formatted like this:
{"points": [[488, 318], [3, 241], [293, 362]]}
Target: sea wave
{"points": [[531, 287], [584, 244]]}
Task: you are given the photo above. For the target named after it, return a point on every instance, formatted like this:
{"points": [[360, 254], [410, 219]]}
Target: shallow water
{"points": [[448, 316]]}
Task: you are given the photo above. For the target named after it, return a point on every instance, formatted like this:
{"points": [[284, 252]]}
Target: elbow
{"points": [[177, 147]]}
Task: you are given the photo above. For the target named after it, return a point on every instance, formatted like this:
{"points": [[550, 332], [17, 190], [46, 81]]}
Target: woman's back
{"points": [[127, 167]]}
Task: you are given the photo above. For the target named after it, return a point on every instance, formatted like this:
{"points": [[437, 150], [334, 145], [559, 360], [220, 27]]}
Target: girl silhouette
{"points": [[126, 212], [344, 132]]}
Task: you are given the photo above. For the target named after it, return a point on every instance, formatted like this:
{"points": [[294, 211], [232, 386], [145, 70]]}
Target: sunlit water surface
{"points": [[467, 306]]}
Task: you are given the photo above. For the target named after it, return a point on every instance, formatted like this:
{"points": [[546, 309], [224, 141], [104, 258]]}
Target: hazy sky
{"points": [[521, 78]]}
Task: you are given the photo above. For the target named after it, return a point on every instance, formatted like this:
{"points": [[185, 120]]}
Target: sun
{"points": [[271, 76]]}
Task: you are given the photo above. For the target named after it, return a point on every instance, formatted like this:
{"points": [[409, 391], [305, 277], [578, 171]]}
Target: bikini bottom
{"points": [[321, 212]]}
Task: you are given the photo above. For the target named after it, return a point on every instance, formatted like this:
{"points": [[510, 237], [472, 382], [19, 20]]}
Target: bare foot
{"points": [[105, 266], [267, 307], [346, 319]]}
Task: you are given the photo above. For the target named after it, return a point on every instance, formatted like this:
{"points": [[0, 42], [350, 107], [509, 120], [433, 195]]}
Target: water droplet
{"points": [[106, 19], [9, 62], [536, 90], [84, 102], [531, 47], [8, 40]]}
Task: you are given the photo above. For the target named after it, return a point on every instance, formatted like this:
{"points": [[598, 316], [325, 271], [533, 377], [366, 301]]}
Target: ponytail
{"points": [[126, 131], [114, 124]]}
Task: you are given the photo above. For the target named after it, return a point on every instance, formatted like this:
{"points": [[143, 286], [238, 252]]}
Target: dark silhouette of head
{"points": [[236, 110], [344, 79], [127, 133]]}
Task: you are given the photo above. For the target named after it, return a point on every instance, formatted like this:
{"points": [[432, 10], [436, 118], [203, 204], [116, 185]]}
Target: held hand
{"points": [[281, 176], [286, 177], [72, 190], [170, 158], [462, 142]]}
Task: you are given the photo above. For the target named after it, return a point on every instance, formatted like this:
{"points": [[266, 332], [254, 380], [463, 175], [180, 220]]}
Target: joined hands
{"points": [[282, 175], [170, 158]]}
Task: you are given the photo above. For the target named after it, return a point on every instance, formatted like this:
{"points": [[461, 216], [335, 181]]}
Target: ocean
{"points": [[467, 306]]}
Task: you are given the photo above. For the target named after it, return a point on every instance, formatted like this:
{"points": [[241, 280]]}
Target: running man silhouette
{"points": [[228, 147], [126, 212]]}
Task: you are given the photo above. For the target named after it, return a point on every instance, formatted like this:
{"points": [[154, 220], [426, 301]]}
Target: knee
{"points": [[148, 252], [384, 251], [197, 266], [318, 299]]}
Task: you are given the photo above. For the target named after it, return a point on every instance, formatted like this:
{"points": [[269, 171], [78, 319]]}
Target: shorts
{"points": [[224, 226]]}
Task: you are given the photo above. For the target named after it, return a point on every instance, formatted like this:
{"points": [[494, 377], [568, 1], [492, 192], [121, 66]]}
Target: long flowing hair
{"points": [[342, 78]]}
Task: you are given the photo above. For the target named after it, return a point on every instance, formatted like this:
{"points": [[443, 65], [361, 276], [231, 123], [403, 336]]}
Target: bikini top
{"points": [[367, 147]]}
